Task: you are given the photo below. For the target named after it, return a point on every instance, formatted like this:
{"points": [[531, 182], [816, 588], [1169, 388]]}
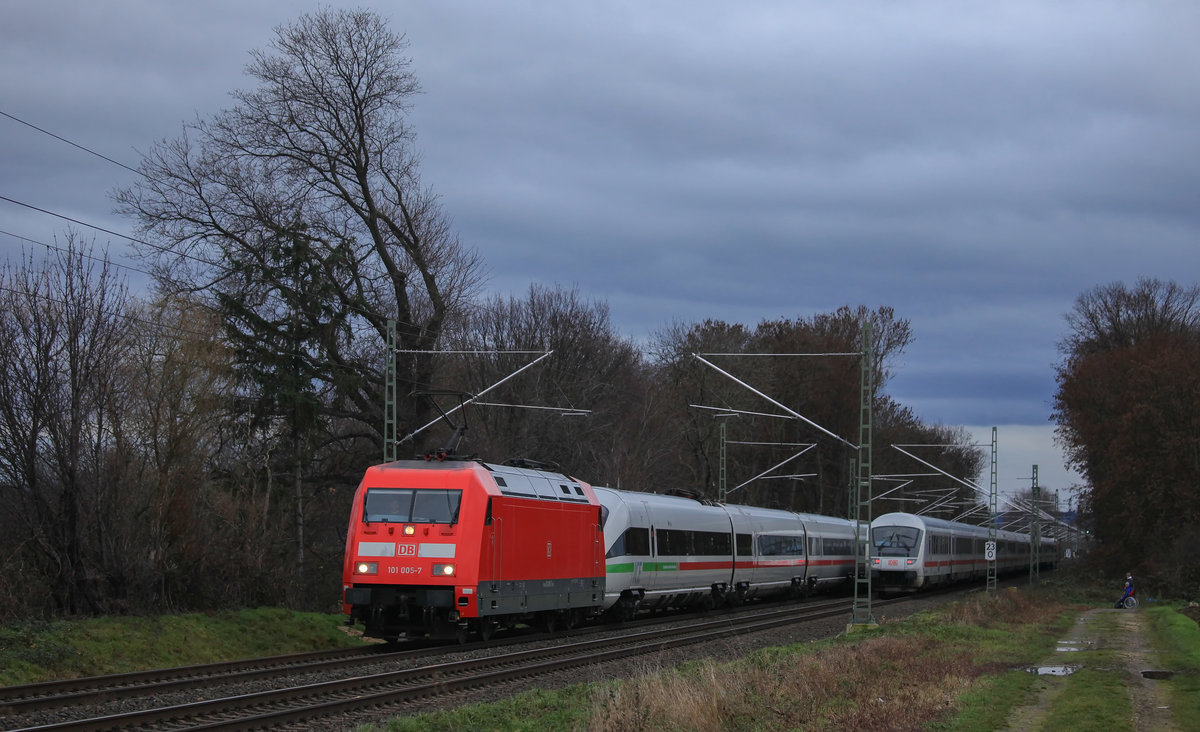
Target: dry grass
{"points": [[886, 682], [997, 609], [897, 681]]}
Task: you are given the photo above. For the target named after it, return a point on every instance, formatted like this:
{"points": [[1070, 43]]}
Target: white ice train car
{"points": [[670, 551], [911, 552]]}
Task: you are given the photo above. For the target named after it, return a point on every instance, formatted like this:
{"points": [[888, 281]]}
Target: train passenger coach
{"points": [[672, 551], [911, 552], [449, 548]]}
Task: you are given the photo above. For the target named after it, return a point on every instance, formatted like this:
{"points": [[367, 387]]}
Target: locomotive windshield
{"points": [[409, 505], [896, 541]]}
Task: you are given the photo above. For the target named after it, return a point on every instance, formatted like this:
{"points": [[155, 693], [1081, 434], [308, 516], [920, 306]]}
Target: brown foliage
{"points": [[1128, 412]]}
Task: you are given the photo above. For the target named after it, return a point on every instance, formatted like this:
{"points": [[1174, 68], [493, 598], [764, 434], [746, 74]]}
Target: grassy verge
{"points": [[1178, 635], [89, 647], [954, 665]]}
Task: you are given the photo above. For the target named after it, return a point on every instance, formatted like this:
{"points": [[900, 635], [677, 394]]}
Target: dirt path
{"points": [[1123, 633]]}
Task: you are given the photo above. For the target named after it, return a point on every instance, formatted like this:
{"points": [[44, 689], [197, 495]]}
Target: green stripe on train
{"points": [[628, 568]]}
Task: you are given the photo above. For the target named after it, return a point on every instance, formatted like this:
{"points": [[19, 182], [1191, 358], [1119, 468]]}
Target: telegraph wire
{"points": [[72, 144], [164, 250], [120, 315], [64, 250]]}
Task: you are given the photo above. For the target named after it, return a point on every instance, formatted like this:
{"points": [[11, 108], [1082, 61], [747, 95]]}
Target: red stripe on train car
{"points": [[688, 566]]}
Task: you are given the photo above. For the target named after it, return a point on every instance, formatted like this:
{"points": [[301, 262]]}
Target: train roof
{"points": [[899, 518], [508, 480]]}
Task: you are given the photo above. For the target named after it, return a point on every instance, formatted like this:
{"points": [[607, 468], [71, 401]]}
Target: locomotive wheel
{"points": [[572, 618], [487, 629]]}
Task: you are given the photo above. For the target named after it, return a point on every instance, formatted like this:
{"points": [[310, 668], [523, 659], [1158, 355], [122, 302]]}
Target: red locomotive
{"points": [[447, 548]]}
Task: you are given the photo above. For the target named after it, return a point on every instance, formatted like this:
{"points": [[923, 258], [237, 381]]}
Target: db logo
{"points": [[893, 563], [406, 550]]}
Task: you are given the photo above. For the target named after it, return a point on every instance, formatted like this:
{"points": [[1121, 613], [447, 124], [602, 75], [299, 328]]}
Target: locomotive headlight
{"points": [[366, 568], [875, 560], [910, 561], [409, 529], [443, 570]]}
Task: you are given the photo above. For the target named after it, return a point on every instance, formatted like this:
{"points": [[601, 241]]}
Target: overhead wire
{"points": [[72, 144], [160, 248]]}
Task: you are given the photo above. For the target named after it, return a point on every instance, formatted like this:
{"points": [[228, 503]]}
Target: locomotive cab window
{"points": [[896, 541], [409, 505]]}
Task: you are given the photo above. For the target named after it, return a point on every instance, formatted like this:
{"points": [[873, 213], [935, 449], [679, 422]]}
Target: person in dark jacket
{"points": [[1128, 590]]}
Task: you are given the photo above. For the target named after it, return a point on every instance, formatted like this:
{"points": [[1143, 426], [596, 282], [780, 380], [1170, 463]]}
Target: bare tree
{"points": [[1114, 316], [299, 216], [178, 384], [825, 389], [591, 369], [63, 325]]}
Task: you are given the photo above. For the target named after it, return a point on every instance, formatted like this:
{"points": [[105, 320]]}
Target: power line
{"points": [[72, 144], [68, 251], [165, 250], [109, 313]]}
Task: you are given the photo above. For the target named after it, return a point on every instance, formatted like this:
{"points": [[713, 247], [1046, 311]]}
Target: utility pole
{"points": [[1035, 530], [861, 488], [993, 518], [721, 470], [389, 397]]}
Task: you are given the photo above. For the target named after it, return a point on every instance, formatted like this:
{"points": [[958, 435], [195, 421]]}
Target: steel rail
{"points": [[259, 710]]}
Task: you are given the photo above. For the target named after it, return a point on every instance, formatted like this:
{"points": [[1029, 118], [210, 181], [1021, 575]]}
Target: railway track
{"points": [[292, 704]]}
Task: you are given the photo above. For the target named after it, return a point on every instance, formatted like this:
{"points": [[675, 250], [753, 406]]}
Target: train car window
{"points": [[711, 542], [637, 541], [962, 545], [814, 547], [896, 541], [836, 547], [634, 541], [745, 545], [617, 549], [775, 546], [674, 542], [406, 505]]}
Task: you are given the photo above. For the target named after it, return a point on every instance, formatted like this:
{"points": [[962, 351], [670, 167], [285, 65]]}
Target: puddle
{"points": [[1157, 674], [1053, 670], [1064, 649]]}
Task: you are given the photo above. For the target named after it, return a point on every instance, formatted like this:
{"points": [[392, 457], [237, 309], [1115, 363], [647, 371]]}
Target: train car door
{"points": [[644, 573]]}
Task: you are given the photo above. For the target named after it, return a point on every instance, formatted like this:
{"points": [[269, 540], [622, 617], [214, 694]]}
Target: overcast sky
{"points": [[975, 166]]}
